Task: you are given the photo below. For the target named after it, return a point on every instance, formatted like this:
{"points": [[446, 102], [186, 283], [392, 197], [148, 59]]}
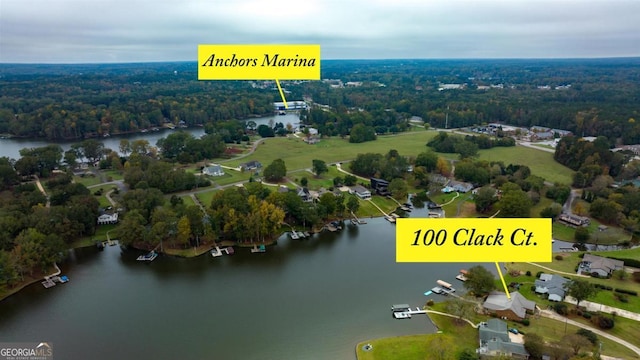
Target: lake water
{"points": [[11, 147], [312, 299]]}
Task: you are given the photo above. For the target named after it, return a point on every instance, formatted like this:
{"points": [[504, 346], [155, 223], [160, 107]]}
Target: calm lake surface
{"points": [[312, 299], [11, 147]]}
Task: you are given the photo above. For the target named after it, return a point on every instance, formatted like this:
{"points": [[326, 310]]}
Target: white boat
{"points": [[152, 255]]}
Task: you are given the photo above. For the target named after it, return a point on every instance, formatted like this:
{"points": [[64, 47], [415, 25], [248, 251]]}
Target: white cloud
{"points": [[119, 30]]}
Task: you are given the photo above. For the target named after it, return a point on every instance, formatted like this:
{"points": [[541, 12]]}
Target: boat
{"points": [[294, 235], [259, 249], [400, 307], [152, 255], [463, 275], [445, 286], [437, 290], [229, 250]]}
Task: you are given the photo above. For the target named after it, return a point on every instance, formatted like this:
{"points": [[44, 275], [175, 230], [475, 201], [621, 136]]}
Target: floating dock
{"points": [[407, 312], [152, 255], [51, 281]]}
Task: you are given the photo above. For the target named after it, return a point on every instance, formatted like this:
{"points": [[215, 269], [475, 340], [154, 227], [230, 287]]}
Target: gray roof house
{"points": [[462, 187], [213, 170], [602, 266], [514, 308], [360, 191], [305, 195], [494, 341], [250, 165], [553, 285]]}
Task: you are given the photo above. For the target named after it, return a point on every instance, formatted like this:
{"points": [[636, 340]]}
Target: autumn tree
{"points": [[183, 231]]}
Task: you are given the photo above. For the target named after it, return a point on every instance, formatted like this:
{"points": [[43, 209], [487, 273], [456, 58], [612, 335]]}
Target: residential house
{"points": [[305, 195], [574, 220], [380, 186], [462, 187], [552, 285], [251, 165], [514, 308], [108, 219], [213, 170], [544, 135], [360, 191], [494, 341], [599, 265]]}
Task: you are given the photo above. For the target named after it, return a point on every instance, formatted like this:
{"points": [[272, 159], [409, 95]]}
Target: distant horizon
{"points": [[338, 59]]}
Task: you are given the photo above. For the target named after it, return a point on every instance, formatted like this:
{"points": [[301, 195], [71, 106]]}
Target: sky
{"points": [[107, 31]]}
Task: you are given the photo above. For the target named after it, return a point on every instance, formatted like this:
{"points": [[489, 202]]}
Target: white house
{"points": [[361, 192], [108, 219], [213, 170]]}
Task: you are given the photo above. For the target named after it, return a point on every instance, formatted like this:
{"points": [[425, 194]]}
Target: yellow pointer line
{"points": [[504, 284], [282, 94]]}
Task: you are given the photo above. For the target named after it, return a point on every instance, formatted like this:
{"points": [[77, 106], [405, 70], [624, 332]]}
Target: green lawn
{"points": [[187, 200], [100, 235], [541, 163], [453, 336], [87, 180], [324, 181], [206, 197], [611, 236], [113, 175], [230, 177], [541, 205], [299, 155]]}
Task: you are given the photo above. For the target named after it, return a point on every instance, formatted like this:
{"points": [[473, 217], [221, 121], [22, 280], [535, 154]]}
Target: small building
{"points": [[552, 285], [250, 165], [514, 308], [494, 341], [105, 219], [574, 220], [602, 266], [213, 170], [361, 192]]}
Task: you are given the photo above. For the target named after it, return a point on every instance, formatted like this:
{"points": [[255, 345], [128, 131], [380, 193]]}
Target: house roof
{"points": [[518, 304], [507, 347], [495, 329], [599, 262], [551, 284], [360, 189]]}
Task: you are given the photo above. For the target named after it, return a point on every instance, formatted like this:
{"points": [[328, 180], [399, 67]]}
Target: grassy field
{"points": [[230, 177], [541, 163], [100, 235], [187, 200], [412, 347], [610, 236], [87, 180], [205, 197]]}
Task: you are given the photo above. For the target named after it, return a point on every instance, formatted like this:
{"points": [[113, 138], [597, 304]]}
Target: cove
{"points": [[310, 299]]}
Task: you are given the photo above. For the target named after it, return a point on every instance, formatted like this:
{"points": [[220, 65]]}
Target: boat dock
{"points": [[294, 235], [152, 255], [259, 249], [53, 279], [216, 252], [407, 312], [463, 275]]}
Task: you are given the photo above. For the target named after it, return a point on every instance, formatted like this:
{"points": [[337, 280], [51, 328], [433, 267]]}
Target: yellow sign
{"points": [[473, 240], [258, 62]]}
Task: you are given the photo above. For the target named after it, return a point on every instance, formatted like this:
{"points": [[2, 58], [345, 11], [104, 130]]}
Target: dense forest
{"points": [[595, 97]]}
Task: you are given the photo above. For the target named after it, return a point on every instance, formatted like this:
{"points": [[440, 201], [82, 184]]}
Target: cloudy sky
{"points": [[76, 31]]}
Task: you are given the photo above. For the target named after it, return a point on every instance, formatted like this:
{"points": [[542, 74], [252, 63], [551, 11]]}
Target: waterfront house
{"points": [[602, 266], [495, 341], [360, 191], [213, 170], [305, 195], [552, 285], [574, 220], [514, 308]]}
